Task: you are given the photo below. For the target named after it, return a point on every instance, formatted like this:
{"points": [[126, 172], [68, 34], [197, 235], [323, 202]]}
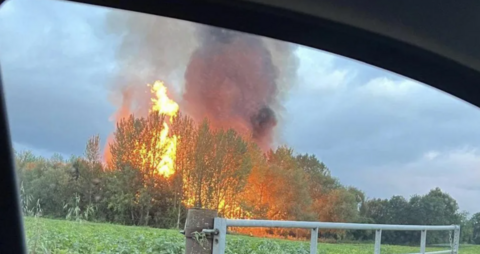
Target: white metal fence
{"points": [[221, 225]]}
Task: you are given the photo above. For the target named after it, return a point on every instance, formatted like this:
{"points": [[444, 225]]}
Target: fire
{"points": [[162, 104], [165, 143]]}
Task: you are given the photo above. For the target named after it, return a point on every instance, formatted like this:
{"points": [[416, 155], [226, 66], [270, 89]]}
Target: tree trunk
{"points": [[198, 201], [179, 212], [147, 217], [133, 217]]}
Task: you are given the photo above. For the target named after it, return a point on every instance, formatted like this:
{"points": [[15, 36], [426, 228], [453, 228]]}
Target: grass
{"points": [[59, 236]]}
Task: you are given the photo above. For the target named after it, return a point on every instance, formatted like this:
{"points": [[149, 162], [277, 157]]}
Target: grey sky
{"points": [[383, 133]]}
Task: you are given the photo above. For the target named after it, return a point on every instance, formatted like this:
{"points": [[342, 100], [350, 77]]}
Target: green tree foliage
{"points": [[217, 169], [466, 228], [219, 172], [475, 223], [434, 208], [136, 193]]}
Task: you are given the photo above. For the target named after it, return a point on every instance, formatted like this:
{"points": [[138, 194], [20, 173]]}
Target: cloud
{"points": [[363, 121], [54, 68], [386, 88], [19, 147], [455, 171], [431, 155]]}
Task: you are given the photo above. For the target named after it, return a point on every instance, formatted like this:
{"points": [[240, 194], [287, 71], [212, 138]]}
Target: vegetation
{"points": [[217, 169], [59, 236]]}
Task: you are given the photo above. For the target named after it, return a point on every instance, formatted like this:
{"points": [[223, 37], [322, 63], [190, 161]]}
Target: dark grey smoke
{"points": [[263, 121]]}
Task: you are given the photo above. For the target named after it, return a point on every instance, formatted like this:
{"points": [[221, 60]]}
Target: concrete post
{"points": [[197, 242]]}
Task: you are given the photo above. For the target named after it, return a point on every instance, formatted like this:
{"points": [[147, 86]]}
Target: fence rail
{"points": [[220, 232]]}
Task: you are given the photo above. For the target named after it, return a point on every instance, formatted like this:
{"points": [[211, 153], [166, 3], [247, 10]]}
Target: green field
{"points": [[58, 236]]}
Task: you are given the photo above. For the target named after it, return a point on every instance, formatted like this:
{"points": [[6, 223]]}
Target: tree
{"points": [[291, 200], [137, 151], [435, 208], [220, 170], [475, 222], [24, 160], [256, 194], [91, 169], [204, 153], [230, 165], [466, 228], [92, 151], [397, 211], [186, 131], [317, 175]]}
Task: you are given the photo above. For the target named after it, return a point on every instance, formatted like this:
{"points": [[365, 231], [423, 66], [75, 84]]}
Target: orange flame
{"points": [[168, 144]]}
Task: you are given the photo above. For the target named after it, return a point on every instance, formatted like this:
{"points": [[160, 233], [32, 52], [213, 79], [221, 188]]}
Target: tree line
{"points": [[217, 169]]}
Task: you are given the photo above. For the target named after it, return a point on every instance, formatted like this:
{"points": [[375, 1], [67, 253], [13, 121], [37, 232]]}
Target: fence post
{"points": [[197, 242], [378, 241], [456, 240], [423, 241], [220, 238], [313, 240]]}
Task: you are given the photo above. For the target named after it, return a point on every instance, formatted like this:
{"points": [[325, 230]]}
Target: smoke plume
{"points": [[234, 79], [231, 80]]}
